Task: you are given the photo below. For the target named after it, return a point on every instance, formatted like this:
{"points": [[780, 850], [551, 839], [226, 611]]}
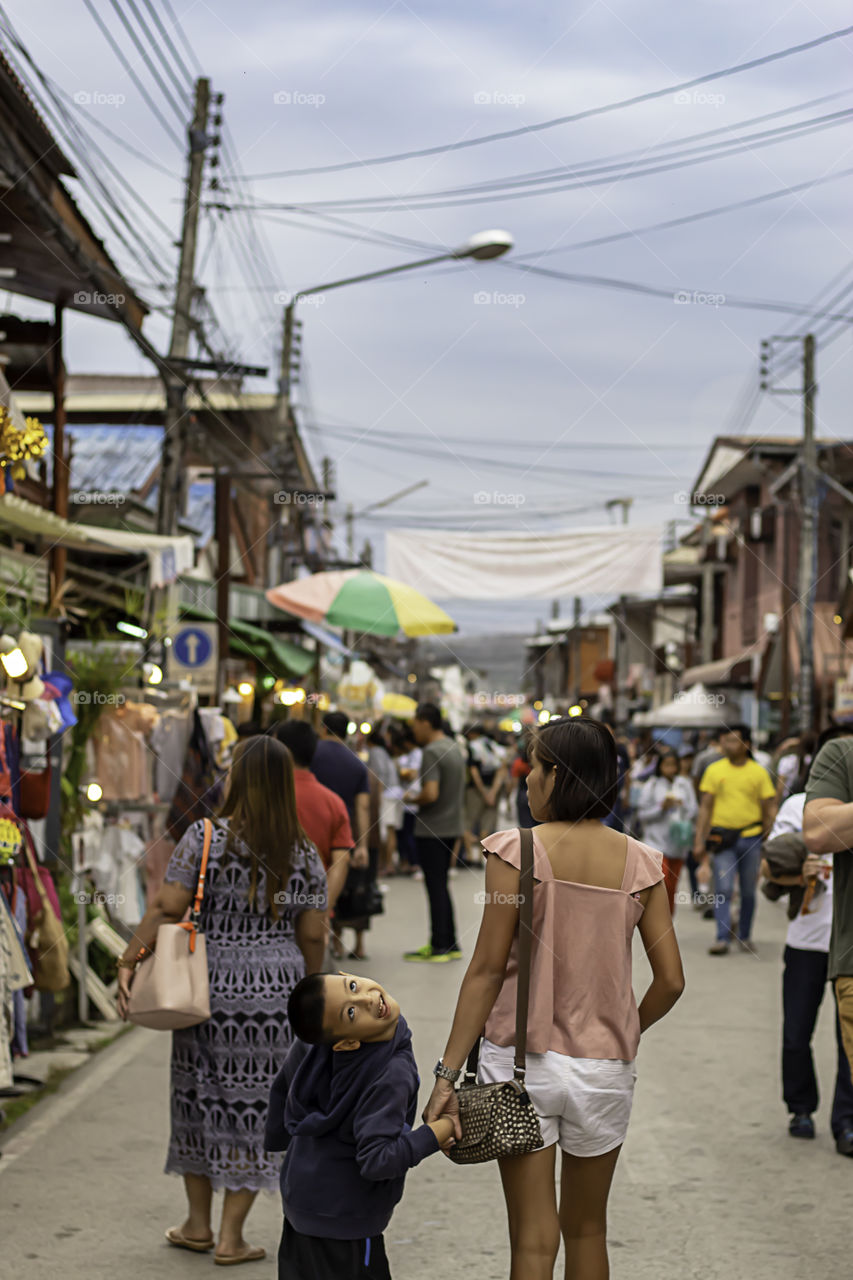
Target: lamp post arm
{"points": [[373, 275]]}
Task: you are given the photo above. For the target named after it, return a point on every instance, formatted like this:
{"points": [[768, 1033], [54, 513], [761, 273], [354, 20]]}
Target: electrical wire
{"points": [[81, 146], [538, 187], [116, 48], [674, 294], [587, 114], [636, 232], [183, 87], [180, 109]]}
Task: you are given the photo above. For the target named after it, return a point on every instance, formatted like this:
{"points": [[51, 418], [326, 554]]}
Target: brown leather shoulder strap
{"points": [[525, 939], [202, 871]]}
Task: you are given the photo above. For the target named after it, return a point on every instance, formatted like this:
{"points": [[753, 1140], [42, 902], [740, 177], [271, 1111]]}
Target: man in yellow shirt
{"points": [[737, 808]]}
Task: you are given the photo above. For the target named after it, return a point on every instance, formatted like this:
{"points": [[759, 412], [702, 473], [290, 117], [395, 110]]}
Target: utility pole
{"points": [[806, 466], [289, 368], [174, 433], [576, 689], [350, 527], [620, 702], [807, 581]]}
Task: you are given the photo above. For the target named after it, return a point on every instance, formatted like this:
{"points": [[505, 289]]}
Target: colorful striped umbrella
{"points": [[362, 600]]}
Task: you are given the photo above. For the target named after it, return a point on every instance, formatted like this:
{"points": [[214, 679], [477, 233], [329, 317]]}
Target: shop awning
{"points": [[278, 656], [326, 638], [167, 557], [734, 670]]}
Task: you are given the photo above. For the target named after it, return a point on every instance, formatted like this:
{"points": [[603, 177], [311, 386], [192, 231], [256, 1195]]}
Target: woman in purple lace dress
{"points": [[264, 921]]}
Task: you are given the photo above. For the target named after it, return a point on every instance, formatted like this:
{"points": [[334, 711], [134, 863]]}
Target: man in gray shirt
{"points": [[439, 824]]}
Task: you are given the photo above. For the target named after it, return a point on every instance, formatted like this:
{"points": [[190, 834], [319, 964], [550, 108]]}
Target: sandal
{"points": [[253, 1254], [173, 1235], [353, 955]]}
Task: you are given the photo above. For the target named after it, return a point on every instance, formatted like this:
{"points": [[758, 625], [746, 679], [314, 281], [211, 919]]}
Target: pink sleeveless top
{"points": [[581, 999]]}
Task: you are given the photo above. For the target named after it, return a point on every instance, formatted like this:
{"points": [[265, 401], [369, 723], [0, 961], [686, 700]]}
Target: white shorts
{"points": [[582, 1103]]}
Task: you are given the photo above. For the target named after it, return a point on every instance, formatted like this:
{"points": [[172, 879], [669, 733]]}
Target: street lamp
{"points": [[482, 246]]}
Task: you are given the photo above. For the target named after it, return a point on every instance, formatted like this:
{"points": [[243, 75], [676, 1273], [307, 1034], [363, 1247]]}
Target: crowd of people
{"points": [[302, 1056]]}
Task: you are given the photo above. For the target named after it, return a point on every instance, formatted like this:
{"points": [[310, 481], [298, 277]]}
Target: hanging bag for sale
{"points": [[46, 938]]}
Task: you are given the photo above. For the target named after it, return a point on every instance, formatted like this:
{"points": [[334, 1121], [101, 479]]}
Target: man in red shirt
{"points": [[322, 814]]}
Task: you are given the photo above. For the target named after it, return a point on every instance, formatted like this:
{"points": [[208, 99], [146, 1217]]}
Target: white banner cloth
{"points": [[526, 566]]}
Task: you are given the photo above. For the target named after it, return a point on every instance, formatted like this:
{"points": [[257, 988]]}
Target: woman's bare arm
{"points": [[311, 929], [483, 978], [664, 957], [169, 906]]}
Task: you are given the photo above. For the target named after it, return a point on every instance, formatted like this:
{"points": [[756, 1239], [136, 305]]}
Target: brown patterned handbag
{"points": [[498, 1119]]}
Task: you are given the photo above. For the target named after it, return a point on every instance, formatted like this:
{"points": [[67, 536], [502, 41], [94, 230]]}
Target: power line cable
{"points": [[607, 164], [116, 48], [636, 232], [188, 48], [587, 114], [81, 146], [584, 178], [674, 294], [188, 84], [180, 109]]}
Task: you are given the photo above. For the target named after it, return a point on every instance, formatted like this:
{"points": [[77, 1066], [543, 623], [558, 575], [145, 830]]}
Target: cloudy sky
{"points": [[483, 378]]}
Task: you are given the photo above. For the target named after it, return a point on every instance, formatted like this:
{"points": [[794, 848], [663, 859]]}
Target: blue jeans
{"points": [[744, 857]]}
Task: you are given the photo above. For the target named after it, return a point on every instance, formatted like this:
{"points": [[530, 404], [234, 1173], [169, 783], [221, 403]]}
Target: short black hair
{"points": [[831, 733], [299, 738], [306, 1009], [336, 722], [743, 731], [429, 712], [583, 754], [669, 753]]}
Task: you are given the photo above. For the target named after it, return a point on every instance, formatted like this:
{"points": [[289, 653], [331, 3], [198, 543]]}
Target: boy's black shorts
{"points": [[316, 1258]]}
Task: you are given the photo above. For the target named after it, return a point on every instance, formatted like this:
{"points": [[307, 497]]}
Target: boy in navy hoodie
{"points": [[342, 1108]]}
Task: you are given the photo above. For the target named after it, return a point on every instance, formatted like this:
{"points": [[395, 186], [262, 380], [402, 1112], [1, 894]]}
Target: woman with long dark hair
{"points": [[264, 920], [592, 887]]}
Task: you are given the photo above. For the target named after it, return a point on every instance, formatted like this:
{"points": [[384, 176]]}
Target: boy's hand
{"points": [[444, 1132], [443, 1102]]}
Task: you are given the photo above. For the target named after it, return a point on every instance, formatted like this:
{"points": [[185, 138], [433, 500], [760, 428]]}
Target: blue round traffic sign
{"points": [[192, 647]]}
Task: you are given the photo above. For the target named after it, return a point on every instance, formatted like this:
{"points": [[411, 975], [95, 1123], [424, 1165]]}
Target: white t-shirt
{"points": [[811, 932]]}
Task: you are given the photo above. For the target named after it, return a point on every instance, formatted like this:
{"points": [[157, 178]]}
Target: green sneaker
{"points": [[426, 955], [454, 954]]}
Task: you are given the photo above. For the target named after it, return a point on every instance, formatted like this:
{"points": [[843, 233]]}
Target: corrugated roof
{"points": [[119, 459]]}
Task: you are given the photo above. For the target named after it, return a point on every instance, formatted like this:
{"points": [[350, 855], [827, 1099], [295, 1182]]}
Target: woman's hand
{"points": [[443, 1102], [123, 996]]}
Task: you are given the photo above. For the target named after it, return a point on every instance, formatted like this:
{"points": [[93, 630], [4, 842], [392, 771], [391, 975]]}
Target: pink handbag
{"points": [[170, 987]]}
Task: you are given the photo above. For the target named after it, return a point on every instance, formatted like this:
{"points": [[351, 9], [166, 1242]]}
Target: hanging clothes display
{"points": [[199, 792], [15, 975], [169, 740], [115, 872]]}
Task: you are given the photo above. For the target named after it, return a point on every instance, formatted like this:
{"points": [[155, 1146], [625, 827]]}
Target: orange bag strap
{"points": [[202, 872], [191, 925]]}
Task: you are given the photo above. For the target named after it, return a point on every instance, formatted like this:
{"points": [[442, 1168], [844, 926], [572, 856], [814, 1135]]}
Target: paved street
{"points": [[709, 1184]]}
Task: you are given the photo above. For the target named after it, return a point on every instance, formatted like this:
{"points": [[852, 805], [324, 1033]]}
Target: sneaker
{"points": [[417, 874], [719, 949], [453, 954], [744, 944], [426, 955], [801, 1127], [844, 1142]]}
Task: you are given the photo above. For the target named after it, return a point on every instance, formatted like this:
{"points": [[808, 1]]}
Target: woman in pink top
{"points": [[593, 887]]}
